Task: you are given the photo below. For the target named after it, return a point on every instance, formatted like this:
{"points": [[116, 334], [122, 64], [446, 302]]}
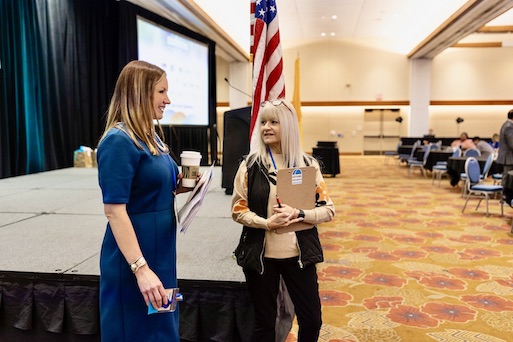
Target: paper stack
{"points": [[189, 210]]}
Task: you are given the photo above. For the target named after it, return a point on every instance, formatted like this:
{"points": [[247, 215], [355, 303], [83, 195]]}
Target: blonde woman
{"points": [[264, 255]]}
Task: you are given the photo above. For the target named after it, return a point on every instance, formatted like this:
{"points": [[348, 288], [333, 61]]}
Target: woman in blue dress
{"points": [[139, 181]]}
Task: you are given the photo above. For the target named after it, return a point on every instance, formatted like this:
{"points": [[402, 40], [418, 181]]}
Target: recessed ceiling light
{"points": [[323, 34], [334, 16], [332, 34]]}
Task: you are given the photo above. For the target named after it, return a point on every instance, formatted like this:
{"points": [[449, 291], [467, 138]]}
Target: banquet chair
{"points": [[393, 154], [440, 168], [484, 174], [472, 152], [487, 166], [497, 178], [476, 188], [456, 152], [414, 163], [406, 157], [437, 145]]}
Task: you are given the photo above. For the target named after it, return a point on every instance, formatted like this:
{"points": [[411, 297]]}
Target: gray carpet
{"points": [[53, 222]]}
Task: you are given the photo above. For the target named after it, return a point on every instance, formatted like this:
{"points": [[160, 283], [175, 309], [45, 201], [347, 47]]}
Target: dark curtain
{"points": [[21, 95], [54, 307], [59, 63], [187, 139]]}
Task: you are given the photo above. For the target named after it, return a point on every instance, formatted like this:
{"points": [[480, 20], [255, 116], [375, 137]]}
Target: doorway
{"points": [[382, 130]]}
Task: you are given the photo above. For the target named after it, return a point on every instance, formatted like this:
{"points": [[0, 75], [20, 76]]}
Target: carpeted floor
{"points": [[402, 263]]}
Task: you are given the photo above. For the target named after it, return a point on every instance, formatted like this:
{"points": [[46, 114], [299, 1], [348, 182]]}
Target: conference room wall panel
{"points": [[336, 71], [340, 72], [472, 74], [222, 72], [344, 124], [482, 121]]}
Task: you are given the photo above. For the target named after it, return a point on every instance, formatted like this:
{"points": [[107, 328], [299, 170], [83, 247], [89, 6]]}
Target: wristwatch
{"points": [[137, 264], [301, 214]]}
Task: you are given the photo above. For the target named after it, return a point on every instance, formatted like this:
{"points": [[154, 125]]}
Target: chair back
{"points": [[426, 154], [456, 152], [487, 166], [432, 146], [473, 171], [414, 148], [472, 152]]}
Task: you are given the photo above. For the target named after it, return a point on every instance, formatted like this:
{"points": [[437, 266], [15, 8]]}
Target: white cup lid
{"points": [[190, 154]]}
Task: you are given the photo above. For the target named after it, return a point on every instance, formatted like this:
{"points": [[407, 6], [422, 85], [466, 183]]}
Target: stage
{"points": [[51, 229]]}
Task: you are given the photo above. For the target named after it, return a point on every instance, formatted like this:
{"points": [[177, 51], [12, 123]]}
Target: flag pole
{"points": [[296, 97]]}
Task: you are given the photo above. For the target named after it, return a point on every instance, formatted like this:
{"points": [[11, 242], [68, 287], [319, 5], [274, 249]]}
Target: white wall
{"points": [[327, 123], [473, 74], [482, 121], [458, 74], [327, 68], [222, 72]]}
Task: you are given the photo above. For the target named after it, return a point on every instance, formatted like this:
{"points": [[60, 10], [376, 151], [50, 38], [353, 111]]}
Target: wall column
{"points": [[420, 94]]}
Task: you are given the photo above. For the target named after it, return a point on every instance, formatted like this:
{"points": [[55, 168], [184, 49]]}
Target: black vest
{"points": [[250, 251]]}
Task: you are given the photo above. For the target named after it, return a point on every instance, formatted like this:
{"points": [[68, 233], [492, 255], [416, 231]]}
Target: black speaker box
{"points": [[235, 144]]}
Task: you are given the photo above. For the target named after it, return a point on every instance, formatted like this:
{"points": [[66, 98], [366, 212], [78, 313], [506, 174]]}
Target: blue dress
{"points": [[145, 183]]}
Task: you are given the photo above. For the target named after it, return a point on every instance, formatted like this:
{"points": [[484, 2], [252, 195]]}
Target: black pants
{"points": [[505, 170], [304, 293]]}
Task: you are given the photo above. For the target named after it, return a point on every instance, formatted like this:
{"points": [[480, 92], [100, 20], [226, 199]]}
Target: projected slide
{"points": [[186, 64]]}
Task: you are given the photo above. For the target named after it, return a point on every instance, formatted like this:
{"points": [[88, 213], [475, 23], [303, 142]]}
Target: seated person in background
{"points": [[495, 141], [429, 135], [483, 147], [464, 142]]}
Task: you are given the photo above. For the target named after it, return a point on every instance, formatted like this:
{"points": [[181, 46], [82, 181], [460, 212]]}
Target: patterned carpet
{"points": [[402, 263]]}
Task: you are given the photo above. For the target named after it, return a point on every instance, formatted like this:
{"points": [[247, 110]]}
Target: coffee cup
{"points": [[190, 168]]}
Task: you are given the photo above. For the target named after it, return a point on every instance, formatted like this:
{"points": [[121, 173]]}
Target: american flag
{"points": [[268, 79]]}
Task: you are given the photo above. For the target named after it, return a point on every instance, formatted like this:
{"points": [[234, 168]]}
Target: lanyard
{"points": [[272, 159]]}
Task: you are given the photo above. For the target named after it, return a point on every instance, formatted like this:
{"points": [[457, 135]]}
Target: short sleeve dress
{"points": [[146, 184]]}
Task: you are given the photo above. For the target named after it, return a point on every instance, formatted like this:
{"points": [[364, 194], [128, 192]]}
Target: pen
{"points": [[278, 200]]}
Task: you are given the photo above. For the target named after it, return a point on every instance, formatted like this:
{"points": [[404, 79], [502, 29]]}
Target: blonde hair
{"points": [[282, 111], [131, 106]]}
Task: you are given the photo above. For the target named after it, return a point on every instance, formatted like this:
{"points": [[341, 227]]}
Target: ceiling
{"points": [[414, 28]]}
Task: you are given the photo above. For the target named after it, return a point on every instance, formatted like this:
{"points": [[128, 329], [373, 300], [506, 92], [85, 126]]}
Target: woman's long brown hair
{"points": [[132, 105]]}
